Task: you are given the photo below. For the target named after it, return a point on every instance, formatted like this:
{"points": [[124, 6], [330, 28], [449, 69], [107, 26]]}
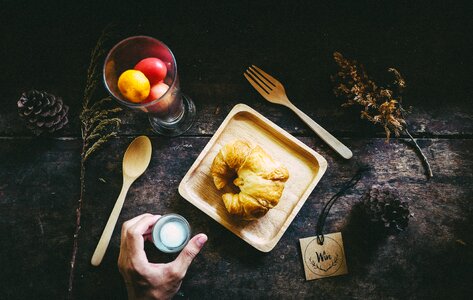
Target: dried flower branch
{"points": [[98, 125], [380, 105]]}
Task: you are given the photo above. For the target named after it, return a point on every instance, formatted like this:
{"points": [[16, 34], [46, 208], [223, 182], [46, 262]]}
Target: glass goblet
{"points": [[171, 114]]}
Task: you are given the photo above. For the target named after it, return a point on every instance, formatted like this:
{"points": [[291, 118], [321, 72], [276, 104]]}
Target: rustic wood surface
{"points": [[47, 46]]}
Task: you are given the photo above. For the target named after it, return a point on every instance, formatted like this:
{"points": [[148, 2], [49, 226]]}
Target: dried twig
{"points": [[380, 105], [98, 126], [423, 157]]}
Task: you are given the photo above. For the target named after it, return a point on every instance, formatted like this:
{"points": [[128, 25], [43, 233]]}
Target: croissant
{"points": [[260, 179]]}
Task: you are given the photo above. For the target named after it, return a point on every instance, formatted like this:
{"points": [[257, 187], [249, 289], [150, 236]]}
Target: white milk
{"points": [[172, 234]]}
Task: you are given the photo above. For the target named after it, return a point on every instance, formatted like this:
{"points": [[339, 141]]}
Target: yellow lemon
{"points": [[134, 85]]}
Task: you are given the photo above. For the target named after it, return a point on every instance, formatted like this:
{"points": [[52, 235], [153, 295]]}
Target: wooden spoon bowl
{"points": [[135, 162]]}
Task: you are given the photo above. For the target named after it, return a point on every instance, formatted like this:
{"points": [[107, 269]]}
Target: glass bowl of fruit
{"points": [[140, 72]]}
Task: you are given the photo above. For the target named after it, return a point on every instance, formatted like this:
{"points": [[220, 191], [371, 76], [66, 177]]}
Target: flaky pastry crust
{"points": [[260, 179]]}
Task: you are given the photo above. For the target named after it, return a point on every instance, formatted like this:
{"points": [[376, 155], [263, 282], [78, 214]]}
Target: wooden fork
{"points": [[273, 91]]}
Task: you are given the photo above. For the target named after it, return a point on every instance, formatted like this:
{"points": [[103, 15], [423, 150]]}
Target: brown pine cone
{"points": [[43, 112], [383, 206]]}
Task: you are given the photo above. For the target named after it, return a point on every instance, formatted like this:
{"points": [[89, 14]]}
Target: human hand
{"points": [[145, 280]]}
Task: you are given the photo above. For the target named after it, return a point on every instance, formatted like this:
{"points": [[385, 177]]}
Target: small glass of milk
{"points": [[171, 233]]}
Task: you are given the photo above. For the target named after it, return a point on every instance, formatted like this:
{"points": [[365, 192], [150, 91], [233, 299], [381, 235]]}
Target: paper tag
{"points": [[325, 260]]}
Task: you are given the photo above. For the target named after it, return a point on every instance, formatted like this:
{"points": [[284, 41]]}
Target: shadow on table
{"points": [[26, 151], [361, 239]]}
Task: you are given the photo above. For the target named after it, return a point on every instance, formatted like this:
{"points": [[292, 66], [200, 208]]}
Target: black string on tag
{"points": [[329, 204]]}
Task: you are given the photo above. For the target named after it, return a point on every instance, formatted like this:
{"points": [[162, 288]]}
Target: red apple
{"points": [[156, 92], [153, 68]]}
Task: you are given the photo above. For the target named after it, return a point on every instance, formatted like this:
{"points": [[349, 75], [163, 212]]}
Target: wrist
{"points": [[130, 291]]}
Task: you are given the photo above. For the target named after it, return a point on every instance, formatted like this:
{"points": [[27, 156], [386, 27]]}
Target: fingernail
{"points": [[201, 240]]}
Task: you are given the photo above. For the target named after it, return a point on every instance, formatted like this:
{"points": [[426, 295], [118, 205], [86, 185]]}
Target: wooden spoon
{"points": [[135, 162]]}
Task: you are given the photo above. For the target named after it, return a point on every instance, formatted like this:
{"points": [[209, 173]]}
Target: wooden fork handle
{"points": [[324, 134]]}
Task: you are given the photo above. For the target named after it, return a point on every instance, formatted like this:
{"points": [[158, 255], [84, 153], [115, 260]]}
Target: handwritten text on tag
{"points": [[324, 260]]}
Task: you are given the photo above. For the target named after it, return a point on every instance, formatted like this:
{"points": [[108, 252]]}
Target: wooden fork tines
{"points": [[273, 91]]}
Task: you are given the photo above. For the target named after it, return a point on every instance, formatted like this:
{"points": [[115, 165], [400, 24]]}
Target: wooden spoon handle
{"points": [[112, 220], [323, 134]]}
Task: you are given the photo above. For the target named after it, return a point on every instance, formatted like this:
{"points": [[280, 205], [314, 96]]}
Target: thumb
{"points": [[189, 252]]}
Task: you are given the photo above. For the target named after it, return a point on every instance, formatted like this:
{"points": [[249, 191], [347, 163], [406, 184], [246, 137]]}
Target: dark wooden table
{"points": [[47, 46]]}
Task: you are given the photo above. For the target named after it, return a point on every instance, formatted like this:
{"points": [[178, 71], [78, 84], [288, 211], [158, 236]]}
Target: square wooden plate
{"points": [[305, 167]]}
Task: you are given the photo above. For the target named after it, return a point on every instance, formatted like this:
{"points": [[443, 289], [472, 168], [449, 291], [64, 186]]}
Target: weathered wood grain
{"points": [[39, 193], [38, 196], [214, 101], [424, 260], [297, 51], [46, 45]]}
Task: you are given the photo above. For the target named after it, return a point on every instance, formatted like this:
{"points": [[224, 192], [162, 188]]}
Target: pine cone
{"points": [[383, 206], [43, 112]]}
